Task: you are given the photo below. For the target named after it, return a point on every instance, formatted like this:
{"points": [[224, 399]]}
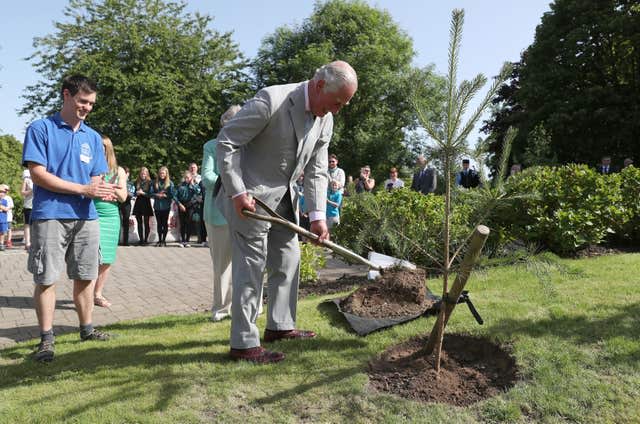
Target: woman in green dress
{"points": [[109, 219]]}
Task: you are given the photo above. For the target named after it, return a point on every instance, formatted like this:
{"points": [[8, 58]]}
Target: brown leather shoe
{"points": [[257, 355], [273, 335]]}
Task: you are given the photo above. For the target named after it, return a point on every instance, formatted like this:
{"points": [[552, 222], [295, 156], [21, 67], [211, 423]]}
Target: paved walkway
{"points": [[144, 282]]}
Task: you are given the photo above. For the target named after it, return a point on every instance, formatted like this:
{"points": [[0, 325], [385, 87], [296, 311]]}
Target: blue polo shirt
{"points": [[72, 156]]}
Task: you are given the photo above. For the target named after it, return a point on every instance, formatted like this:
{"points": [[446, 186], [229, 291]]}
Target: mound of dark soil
{"points": [[472, 369], [397, 293], [333, 286]]}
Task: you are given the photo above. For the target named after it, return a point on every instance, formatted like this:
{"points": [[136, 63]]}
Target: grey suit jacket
{"points": [[266, 146]]}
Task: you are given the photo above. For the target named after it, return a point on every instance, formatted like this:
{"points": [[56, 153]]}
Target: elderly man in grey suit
{"points": [[283, 131]]}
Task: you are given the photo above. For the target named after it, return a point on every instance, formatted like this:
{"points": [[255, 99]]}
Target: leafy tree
{"points": [[538, 149], [372, 129], [11, 170], [581, 78], [163, 76]]}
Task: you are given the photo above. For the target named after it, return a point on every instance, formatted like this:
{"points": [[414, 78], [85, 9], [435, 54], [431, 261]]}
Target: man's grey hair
{"points": [[230, 113], [336, 75]]}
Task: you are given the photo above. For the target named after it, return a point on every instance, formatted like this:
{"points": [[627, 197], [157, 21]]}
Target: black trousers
{"points": [[162, 219], [185, 225], [203, 229], [125, 213], [143, 231]]}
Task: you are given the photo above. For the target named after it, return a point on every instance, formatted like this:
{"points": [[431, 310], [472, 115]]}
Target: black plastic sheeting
{"points": [[364, 325]]}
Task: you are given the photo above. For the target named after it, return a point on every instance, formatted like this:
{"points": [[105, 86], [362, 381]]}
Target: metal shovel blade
{"points": [[385, 261]]}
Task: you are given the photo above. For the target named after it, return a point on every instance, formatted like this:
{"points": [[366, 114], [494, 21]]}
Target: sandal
{"points": [[101, 301]]}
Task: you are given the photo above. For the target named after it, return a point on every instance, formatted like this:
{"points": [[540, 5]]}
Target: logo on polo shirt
{"points": [[85, 153]]}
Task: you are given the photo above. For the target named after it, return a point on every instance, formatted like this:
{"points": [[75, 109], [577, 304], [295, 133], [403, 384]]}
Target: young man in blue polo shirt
{"points": [[66, 161]]}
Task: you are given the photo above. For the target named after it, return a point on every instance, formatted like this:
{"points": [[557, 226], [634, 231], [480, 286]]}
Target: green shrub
{"points": [[570, 207], [400, 223], [311, 260], [630, 188], [11, 172], [576, 207]]}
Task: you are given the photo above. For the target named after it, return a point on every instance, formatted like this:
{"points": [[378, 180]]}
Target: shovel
{"points": [[377, 262]]}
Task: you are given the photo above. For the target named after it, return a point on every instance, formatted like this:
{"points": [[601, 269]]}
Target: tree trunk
{"points": [[450, 299], [439, 331]]}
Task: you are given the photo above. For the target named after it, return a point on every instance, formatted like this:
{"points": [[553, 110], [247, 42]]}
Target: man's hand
{"points": [[319, 228], [99, 189], [244, 201]]}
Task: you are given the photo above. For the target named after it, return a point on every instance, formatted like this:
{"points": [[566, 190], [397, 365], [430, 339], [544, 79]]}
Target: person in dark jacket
{"points": [[163, 193], [424, 179], [467, 178], [605, 167], [186, 197], [142, 208]]}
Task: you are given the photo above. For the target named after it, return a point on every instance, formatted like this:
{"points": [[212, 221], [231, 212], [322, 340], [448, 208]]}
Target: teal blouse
{"points": [[162, 203], [210, 175], [185, 193]]}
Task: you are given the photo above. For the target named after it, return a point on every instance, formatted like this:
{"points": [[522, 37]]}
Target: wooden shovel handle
{"points": [[342, 251]]}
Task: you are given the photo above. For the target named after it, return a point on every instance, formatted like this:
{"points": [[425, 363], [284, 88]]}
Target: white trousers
{"points": [[220, 249]]}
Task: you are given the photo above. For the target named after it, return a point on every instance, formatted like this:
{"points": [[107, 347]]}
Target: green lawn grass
{"points": [[576, 338]]}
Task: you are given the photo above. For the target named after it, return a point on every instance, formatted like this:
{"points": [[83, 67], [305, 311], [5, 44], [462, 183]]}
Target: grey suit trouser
{"points": [[276, 248]]}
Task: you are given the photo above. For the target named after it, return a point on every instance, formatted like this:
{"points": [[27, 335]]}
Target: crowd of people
{"points": [[605, 167], [155, 197], [77, 201], [81, 200], [146, 197]]}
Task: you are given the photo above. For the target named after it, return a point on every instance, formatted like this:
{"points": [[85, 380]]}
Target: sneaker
{"points": [[180, 244], [45, 351], [187, 245], [9, 244], [96, 335], [1, 247], [219, 316]]}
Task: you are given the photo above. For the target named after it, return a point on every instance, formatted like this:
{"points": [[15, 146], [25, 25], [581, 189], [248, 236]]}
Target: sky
{"points": [[494, 31]]}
